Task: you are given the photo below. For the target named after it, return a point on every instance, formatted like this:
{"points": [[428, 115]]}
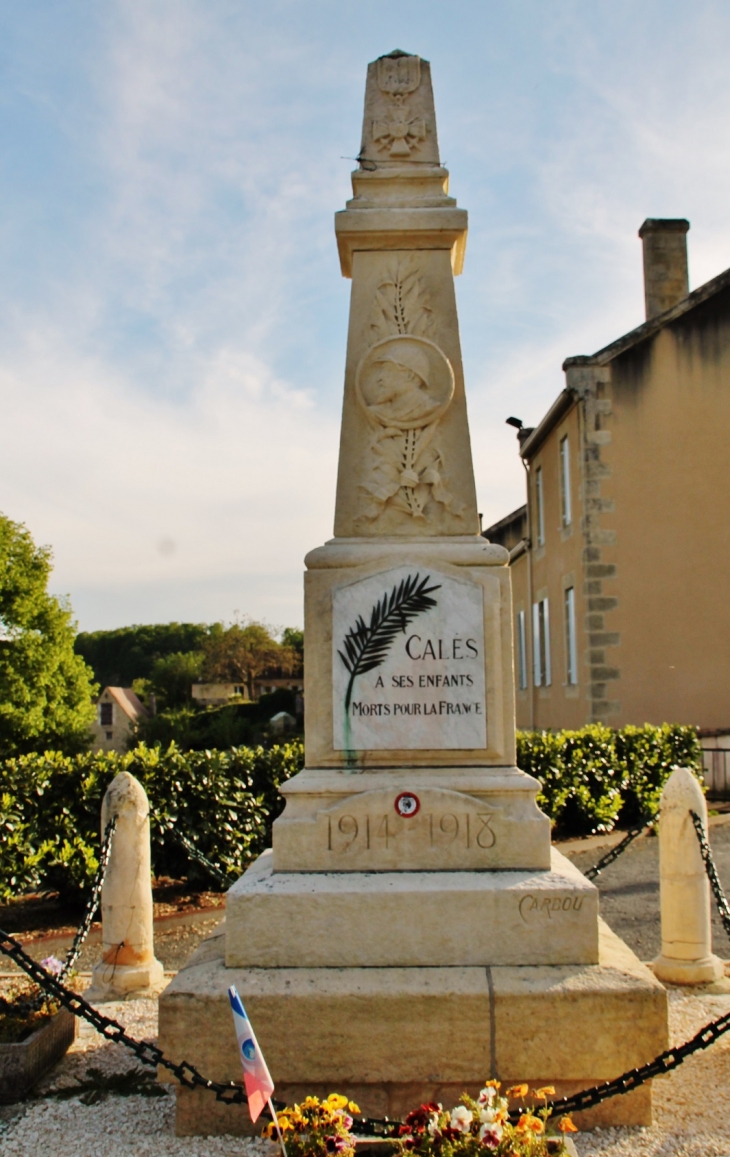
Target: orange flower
{"points": [[566, 1125], [527, 1121], [517, 1091], [492, 1084], [547, 1091]]}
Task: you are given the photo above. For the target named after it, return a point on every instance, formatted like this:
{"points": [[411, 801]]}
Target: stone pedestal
{"points": [[411, 933], [394, 1037]]}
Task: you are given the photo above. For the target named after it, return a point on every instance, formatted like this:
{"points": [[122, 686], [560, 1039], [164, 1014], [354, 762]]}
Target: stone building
{"points": [[619, 558], [118, 711]]}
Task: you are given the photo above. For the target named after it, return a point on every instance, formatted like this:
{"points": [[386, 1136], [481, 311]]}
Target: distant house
{"points": [[217, 694], [118, 711]]}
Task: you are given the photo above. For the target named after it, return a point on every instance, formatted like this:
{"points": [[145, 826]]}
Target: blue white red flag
{"points": [[256, 1077]]}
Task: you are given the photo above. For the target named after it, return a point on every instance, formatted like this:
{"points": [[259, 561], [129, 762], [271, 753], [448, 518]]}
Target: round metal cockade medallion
{"points": [[407, 804]]}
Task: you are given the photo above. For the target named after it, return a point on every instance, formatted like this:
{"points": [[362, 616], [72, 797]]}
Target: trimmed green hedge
{"points": [[225, 801], [594, 778]]}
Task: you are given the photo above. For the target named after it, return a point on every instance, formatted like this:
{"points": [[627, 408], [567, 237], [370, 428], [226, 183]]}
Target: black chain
{"points": [[93, 903], [214, 870], [664, 1063], [217, 873], [615, 852], [234, 1094], [147, 1053], [722, 905], [84, 927]]}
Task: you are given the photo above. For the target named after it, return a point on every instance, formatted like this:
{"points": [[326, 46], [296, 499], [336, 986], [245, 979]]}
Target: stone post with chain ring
{"points": [[128, 967], [686, 956]]}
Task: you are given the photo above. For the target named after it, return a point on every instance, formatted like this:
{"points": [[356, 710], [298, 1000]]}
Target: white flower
{"points": [[461, 1118], [486, 1116], [433, 1124], [491, 1134], [487, 1094]]}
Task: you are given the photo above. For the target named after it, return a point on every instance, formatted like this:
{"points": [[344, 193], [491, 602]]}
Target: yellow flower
{"points": [[566, 1125], [336, 1101], [354, 1108], [517, 1091], [310, 1103], [492, 1084], [548, 1091]]}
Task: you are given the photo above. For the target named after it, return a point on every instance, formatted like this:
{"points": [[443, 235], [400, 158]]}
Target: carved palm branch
{"points": [[401, 304], [367, 645]]}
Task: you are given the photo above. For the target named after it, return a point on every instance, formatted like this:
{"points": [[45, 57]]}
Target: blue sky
{"points": [[172, 315]]}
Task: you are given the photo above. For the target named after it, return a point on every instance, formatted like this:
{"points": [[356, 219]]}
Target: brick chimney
{"points": [[666, 278]]}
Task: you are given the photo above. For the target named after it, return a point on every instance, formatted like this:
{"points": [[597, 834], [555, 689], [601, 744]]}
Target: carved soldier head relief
{"points": [[405, 382]]}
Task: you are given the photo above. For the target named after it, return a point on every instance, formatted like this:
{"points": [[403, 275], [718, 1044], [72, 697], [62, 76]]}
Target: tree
{"points": [[172, 678], [242, 653], [120, 656], [293, 637], [46, 691]]}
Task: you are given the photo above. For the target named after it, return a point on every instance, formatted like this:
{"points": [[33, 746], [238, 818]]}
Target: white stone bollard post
{"points": [[686, 956], [128, 967]]}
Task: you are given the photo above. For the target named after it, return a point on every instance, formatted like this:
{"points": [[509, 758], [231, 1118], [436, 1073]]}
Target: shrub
{"points": [[224, 802], [595, 777]]}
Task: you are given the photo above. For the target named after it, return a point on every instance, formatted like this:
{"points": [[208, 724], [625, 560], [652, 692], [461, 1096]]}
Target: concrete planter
{"points": [[22, 1064]]}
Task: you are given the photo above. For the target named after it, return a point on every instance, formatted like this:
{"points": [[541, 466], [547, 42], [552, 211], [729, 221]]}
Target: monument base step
{"points": [[400, 919], [391, 1038]]}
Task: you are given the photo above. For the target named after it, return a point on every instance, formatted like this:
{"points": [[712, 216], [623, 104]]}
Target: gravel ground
{"points": [[115, 1126], [691, 1117], [690, 1105]]}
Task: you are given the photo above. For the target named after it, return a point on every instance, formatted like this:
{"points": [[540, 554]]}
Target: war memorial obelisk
{"points": [[411, 932]]}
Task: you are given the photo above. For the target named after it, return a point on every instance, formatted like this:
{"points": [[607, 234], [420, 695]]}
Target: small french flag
{"points": [[256, 1076]]}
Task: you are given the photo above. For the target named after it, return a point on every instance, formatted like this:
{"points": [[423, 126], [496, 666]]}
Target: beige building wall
{"points": [[648, 548], [670, 480]]}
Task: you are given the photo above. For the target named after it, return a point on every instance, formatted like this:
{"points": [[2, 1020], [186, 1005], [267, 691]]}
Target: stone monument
{"points": [[411, 932]]}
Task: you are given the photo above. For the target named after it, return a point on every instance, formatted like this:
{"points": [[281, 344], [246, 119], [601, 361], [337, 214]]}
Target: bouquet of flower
{"points": [[317, 1128], [482, 1128]]}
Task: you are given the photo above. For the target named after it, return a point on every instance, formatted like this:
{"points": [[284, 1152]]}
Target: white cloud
{"points": [[172, 320], [238, 480]]}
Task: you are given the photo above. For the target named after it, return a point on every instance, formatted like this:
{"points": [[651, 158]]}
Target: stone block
{"points": [[393, 1037], [401, 919], [459, 819]]}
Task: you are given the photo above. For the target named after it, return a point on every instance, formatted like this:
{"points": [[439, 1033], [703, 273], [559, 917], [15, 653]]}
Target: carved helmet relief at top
{"points": [[405, 457]]}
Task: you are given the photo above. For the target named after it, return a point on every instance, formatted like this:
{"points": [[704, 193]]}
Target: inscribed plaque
{"points": [[408, 662]]}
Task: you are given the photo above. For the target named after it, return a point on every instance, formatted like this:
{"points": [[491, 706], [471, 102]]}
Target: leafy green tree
{"points": [[243, 652], [46, 690], [120, 656], [172, 678], [293, 637]]}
